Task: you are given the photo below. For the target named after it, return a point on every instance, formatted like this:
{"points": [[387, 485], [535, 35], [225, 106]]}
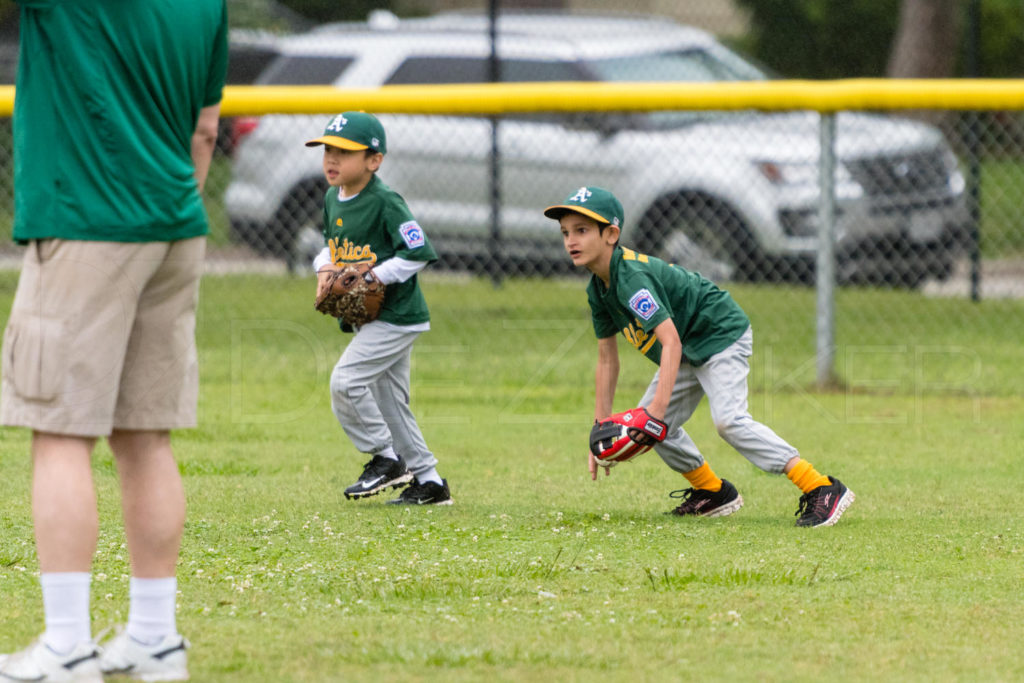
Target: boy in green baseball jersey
{"points": [[364, 221], [701, 340]]}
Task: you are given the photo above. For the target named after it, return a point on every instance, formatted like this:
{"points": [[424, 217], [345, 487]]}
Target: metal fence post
{"points": [[826, 265], [496, 264], [974, 148]]}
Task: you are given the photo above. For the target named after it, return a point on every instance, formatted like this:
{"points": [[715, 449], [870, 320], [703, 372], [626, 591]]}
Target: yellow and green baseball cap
{"points": [[353, 130], [592, 202]]}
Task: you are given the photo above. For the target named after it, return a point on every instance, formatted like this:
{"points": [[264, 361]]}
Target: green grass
{"points": [[1002, 227], [537, 573]]}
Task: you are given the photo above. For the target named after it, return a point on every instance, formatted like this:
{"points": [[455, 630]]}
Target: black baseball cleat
{"points": [[824, 505], [378, 474], [704, 503], [430, 493]]}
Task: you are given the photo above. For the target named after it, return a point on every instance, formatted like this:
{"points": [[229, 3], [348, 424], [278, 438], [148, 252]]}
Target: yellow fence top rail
{"points": [[823, 96]]}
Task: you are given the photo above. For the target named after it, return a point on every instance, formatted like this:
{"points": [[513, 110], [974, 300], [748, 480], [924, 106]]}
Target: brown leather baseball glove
{"points": [[352, 292]]}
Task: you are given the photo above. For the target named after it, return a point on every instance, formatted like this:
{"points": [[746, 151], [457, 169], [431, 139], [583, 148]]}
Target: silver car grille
{"points": [[899, 175]]}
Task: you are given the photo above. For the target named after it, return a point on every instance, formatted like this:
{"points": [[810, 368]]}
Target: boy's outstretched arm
{"points": [[605, 378], [671, 356]]}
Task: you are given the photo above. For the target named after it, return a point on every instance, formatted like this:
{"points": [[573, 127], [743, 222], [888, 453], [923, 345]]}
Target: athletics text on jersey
{"points": [[374, 226]]}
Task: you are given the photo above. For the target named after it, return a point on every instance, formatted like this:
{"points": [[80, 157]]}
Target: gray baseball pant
{"points": [[723, 378], [370, 394]]}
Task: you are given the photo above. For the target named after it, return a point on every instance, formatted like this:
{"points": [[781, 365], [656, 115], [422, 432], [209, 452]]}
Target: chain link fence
{"points": [[929, 235]]}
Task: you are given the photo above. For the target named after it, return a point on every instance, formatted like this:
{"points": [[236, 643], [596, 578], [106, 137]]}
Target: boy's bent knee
{"points": [[347, 392], [730, 426]]}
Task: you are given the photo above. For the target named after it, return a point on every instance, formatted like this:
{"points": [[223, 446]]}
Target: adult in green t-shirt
{"points": [[701, 341], [115, 120]]}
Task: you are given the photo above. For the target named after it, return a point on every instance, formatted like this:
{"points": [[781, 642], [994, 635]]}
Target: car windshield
{"points": [[686, 66]]}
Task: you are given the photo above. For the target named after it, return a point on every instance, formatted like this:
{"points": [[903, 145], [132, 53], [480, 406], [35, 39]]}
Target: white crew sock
{"points": [[151, 609], [429, 475], [66, 606], [389, 453]]}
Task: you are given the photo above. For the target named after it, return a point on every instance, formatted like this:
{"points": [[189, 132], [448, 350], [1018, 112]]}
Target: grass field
{"points": [[537, 573]]}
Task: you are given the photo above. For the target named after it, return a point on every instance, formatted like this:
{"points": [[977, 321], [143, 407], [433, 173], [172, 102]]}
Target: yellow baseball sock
{"points": [[704, 478], [806, 477]]}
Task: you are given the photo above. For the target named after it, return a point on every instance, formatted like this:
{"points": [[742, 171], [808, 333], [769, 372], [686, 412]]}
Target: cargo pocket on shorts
{"points": [[34, 356]]}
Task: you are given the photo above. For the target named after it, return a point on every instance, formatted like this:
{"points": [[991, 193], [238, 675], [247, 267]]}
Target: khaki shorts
{"points": [[102, 336]]}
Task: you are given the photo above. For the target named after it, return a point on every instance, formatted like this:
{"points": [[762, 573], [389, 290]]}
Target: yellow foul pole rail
{"points": [[489, 99]]}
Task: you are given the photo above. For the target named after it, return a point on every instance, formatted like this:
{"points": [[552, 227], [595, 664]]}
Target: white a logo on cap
{"points": [[582, 195], [337, 123]]}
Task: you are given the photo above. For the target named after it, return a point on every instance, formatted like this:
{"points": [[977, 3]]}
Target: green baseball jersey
{"points": [[107, 99], [644, 291], [374, 226]]}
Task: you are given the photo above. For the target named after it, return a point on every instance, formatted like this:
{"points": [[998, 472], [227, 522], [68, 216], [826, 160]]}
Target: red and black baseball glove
{"points": [[624, 436]]}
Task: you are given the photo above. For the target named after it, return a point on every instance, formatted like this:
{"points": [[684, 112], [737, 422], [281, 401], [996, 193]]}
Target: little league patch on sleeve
{"points": [[412, 233], [643, 304]]}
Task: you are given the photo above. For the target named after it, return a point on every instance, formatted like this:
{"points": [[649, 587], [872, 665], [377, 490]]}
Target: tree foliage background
{"points": [[853, 38], [293, 14]]}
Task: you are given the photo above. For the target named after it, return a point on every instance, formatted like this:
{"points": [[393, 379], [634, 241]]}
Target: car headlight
{"points": [[796, 173], [950, 161], [956, 181]]}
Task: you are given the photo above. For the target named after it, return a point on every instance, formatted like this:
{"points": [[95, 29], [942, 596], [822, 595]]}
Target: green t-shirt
{"points": [[374, 226], [108, 96], [644, 291]]}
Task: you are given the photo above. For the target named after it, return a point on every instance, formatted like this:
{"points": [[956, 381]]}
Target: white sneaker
{"points": [[164, 661], [38, 662]]}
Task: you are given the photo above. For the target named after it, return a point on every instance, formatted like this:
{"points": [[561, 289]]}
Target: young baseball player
{"points": [[367, 222], [701, 340]]}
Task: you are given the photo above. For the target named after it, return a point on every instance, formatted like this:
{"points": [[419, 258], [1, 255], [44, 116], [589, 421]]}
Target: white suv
{"points": [[731, 194]]}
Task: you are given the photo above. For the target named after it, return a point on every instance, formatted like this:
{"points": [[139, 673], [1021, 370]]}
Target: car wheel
{"points": [[308, 243], [701, 234], [291, 232], [941, 265]]}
